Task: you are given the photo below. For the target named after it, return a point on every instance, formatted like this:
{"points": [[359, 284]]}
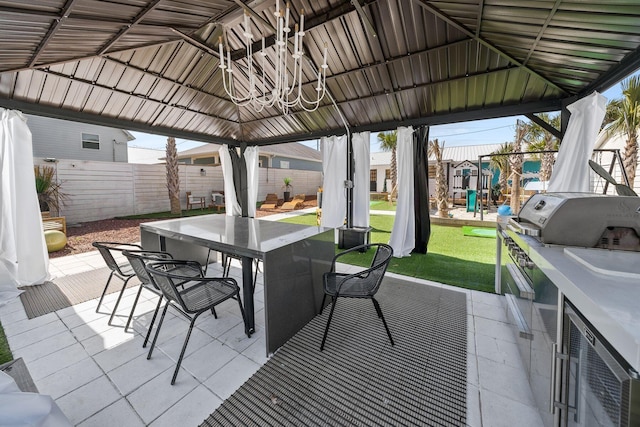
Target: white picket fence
{"points": [[101, 190]]}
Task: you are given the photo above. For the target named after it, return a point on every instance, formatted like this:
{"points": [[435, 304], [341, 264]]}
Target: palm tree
{"points": [[541, 140], [500, 162], [173, 180], [388, 142], [442, 191], [515, 162], [623, 116]]}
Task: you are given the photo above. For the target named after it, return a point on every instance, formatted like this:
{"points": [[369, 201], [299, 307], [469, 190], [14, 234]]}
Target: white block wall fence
{"points": [[102, 190]]}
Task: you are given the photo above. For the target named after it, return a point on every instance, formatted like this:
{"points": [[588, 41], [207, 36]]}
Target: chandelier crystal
{"points": [[282, 88]]}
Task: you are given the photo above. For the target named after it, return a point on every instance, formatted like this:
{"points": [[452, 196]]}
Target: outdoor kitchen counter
{"points": [[610, 301]]}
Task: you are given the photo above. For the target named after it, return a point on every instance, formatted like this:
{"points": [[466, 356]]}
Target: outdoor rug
{"points": [[360, 379], [67, 291]]}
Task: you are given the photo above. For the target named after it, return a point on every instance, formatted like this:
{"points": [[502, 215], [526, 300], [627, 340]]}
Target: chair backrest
{"points": [[138, 260], [106, 249], [379, 265], [271, 198], [163, 274]]}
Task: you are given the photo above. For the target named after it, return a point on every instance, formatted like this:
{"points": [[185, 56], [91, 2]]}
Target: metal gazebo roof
{"points": [[152, 65]]}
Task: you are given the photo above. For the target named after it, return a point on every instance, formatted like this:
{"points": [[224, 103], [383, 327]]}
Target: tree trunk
{"points": [[516, 162], [503, 180], [173, 179], [394, 170], [630, 160], [441, 190], [547, 160]]}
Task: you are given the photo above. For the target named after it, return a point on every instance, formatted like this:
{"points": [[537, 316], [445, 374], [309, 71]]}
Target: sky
{"points": [[491, 131]]}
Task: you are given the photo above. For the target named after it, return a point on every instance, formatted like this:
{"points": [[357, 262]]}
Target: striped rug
{"points": [[360, 379], [67, 291]]}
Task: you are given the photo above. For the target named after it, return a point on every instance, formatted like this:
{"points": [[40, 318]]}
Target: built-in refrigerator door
{"points": [[598, 387]]}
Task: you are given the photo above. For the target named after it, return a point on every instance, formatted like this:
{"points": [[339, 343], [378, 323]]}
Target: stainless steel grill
{"points": [[581, 219]]}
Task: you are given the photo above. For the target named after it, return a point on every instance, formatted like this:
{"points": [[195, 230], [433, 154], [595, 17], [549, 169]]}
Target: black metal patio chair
{"points": [[198, 295], [138, 260], [363, 284], [120, 269], [226, 267]]}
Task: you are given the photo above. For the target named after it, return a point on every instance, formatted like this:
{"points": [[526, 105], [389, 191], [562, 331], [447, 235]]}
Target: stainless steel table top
{"points": [[240, 236]]}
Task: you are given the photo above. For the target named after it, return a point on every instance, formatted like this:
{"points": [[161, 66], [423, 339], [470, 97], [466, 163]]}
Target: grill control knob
{"points": [[529, 264], [522, 261]]}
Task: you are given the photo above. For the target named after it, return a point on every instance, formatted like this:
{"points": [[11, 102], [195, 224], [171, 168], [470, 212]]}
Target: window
{"points": [[91, 141], [260, 163], [432, 171], [284, 164], [387, 174]]}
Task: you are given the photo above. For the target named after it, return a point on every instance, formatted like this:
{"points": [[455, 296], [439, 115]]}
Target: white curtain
{"points": [[361, 178], [251, 159], [571, 170], [334, 168], [24, 259], [232, 207], [403, 234]]}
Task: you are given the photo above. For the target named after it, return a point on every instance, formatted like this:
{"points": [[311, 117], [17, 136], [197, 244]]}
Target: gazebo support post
{"points": [[349, 183]]}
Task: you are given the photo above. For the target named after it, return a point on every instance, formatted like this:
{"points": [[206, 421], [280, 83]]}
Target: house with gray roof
{"points": [[457, 160], [64, 139], [279, 156]]}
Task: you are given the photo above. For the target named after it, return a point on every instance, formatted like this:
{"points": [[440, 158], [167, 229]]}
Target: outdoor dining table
{"points": [[294, 259]]}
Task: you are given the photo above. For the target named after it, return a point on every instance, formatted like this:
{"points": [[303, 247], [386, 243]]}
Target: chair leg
{"points": [[104, 292], [184, 348], [244, 320], [255, 275], [213, 311], [324, 297], [153, 320], [377, 306], [113, 313], [326, 330], [155, 337], [133, 308]]}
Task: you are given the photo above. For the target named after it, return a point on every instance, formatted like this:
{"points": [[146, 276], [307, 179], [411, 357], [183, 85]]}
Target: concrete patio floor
{"points": [[99, 375]]}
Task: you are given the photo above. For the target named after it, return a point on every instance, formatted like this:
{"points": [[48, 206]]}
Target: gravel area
{"points": [[81, 236]]}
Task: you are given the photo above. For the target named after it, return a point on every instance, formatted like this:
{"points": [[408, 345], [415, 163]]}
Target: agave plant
{"points": [[48, 189]]}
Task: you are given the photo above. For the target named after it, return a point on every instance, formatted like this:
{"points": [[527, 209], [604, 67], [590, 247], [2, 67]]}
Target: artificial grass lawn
{"points": [[382, 205], [5, 351], [452, 258]]}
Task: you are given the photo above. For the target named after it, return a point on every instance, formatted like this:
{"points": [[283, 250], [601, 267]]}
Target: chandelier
{"points": [[282, 87]]}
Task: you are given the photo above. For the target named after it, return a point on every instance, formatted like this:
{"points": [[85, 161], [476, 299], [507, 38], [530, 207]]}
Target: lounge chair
{"points": [[271, 201], [194, 201], [295, 203]]}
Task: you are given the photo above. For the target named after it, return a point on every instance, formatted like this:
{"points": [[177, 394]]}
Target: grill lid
{"points": [[583, 219]]}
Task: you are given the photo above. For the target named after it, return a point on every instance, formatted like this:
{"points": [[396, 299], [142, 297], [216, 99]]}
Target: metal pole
{"points": [[244, 182], [349, 183], [479, 190]]}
